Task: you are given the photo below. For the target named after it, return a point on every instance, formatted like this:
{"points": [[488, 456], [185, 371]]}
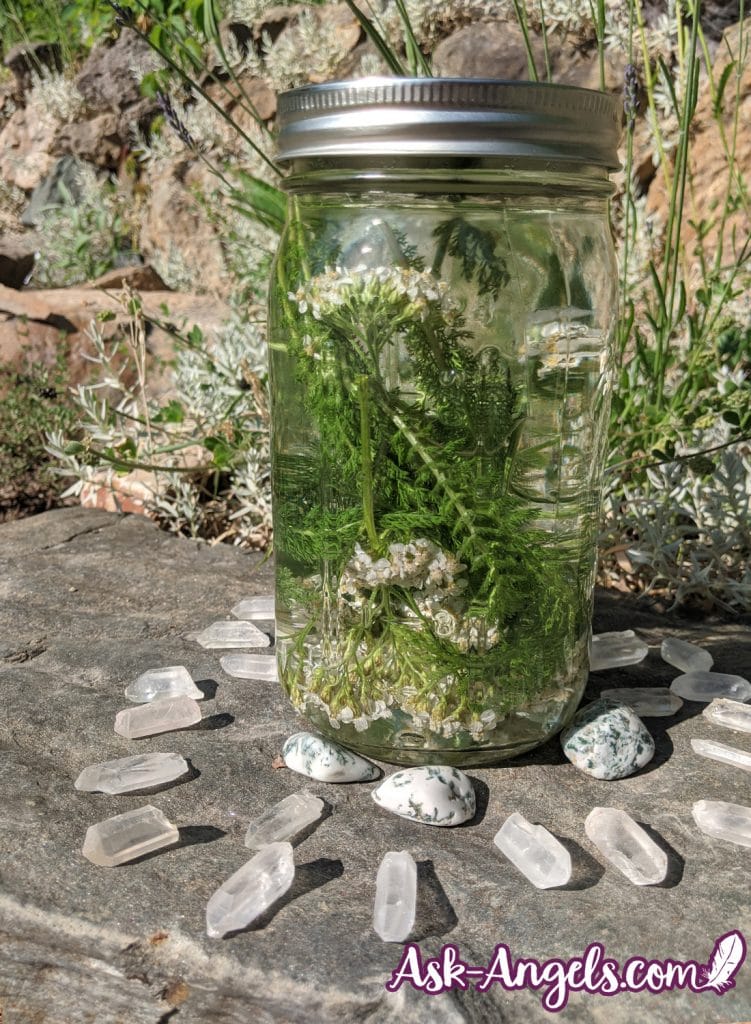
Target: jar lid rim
{"points": [[450, 116]]}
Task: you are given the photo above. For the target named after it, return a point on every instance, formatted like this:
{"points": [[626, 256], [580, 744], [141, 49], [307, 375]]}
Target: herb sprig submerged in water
{"points": [[426, 586]]}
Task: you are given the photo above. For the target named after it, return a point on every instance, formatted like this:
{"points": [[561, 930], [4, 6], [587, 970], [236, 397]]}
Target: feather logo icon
{"points": [[727, 956]]}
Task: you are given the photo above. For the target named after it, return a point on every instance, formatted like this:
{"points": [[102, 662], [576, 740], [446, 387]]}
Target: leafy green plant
{"points": [[198, 458], [87, 234], [34, 400]]}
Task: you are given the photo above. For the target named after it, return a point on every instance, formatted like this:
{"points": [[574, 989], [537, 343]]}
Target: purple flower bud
{"points": [[170, 115], [124, 17], [630, 95]]}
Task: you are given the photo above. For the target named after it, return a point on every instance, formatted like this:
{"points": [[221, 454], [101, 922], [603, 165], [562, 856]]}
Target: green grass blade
{"points": [[386, 51]]}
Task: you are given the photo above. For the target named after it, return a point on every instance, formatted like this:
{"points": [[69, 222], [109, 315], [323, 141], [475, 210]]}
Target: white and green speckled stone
{"points": [[325, 761], [607, 740], [430, 794]]}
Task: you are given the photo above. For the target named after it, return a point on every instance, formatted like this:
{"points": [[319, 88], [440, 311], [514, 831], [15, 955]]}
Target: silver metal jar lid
{"points": [[450, 117]]}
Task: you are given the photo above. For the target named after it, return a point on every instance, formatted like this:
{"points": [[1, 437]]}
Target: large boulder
{"points": [[36, 324], [496, 49], [90, 601], [98, 141], [174, 222], [55, 188], [107, 80], [26, 148]]}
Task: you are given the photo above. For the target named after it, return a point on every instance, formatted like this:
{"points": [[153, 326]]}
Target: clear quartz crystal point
{"points": [[260, 609], [284, 820], [251, 890], [160, 683], [250, 666], [705, 686], [129, 774], [722, 820], [626, 845], [232, 633], [127, 836], [685, 656], [613, 650], [646, 701], [396, 897], [731, 714], [531, 848], [159, 716], [721, 752]]}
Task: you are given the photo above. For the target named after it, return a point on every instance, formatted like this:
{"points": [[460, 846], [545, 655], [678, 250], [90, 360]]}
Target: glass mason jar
{"points": [[441, 318]]}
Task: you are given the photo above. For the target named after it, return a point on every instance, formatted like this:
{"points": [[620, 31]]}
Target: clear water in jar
{"points": [[440, 382]]}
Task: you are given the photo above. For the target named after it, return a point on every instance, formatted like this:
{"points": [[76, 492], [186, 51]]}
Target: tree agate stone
{"points": [[607, 740], [326, 761], [431, 794]]}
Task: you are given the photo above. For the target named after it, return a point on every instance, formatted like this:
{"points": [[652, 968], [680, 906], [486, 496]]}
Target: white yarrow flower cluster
{"points": [[339, 285]]}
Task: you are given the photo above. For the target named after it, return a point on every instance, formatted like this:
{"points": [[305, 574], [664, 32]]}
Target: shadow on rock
{"points": [[585, 870], [434, 914], [549, 753], [220, 721], [208, 687], [482, 799], [190, 835], [307, 878], [676, 863]]}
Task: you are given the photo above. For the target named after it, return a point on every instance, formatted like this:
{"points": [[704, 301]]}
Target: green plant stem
{"points": [[675, 219], [521, 17], [649, 84], [204, 95], [616, 467], [415, 54], [365, 462], [546, 50], [386, 51]]}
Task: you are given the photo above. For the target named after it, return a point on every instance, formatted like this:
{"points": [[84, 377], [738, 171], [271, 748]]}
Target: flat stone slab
{"points": [[88, 601]]}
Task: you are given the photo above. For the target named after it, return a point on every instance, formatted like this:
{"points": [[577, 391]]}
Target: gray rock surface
{"points": [[106, 81], [88, 600]]}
